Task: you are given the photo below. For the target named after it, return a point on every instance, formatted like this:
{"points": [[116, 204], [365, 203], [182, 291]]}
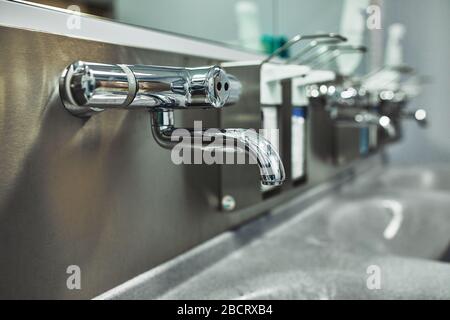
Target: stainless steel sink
{"points": [[325, 254], [401, 278], [416, 178], [400, 223], [326, 251]]}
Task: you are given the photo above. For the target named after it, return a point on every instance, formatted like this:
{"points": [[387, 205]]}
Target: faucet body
{"points": [[87, 87]]}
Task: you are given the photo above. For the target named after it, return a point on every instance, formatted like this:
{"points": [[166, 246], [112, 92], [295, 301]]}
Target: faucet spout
{"points": [[239, 141], [386, 123], [365, 118]]}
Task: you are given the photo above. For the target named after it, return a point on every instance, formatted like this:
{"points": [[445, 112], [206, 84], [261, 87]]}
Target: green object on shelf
{"points": [[271, 43]]}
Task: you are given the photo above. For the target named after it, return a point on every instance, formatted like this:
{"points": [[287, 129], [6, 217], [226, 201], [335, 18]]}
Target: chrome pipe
{"points": [[86, 87], [221, 141]]}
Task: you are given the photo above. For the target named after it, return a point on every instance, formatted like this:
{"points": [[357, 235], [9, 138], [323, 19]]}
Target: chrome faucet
{"points": [[364, 118], [87, 88], [394, 104], [350, 106]]}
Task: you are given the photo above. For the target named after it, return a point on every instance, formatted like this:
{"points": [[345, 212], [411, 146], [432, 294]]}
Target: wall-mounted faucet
{"points": [[350, 106], [394, 104], [364, 118], [419, 115], [87, 88]]}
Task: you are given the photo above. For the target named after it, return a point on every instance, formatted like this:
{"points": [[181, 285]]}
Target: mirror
{"points": [[256, 25]]}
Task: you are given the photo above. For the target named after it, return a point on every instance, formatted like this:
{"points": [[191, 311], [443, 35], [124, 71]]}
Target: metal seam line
{"points": [[132, 85]]}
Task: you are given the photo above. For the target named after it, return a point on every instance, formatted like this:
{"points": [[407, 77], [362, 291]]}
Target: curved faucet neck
{"points": [[240, 141]]}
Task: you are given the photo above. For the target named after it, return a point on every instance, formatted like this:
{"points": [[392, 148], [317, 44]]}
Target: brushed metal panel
{"points": [[242, 181], [345, 151], [98, 193], [330, 148]]}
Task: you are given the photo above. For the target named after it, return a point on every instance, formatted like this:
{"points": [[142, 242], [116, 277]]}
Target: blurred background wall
{"points": [[427, 48]]}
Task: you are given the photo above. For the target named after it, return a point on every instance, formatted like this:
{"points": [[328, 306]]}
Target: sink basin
{"points": [[395, 223], [401, 278], [325, 253], [392, 223]]}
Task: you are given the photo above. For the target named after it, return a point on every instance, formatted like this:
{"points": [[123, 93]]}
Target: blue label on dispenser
{"points": [[364, 141], [299, 112]]}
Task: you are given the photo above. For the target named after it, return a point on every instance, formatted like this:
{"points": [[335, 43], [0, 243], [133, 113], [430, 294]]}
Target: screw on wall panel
{"points": [[228, 203]]}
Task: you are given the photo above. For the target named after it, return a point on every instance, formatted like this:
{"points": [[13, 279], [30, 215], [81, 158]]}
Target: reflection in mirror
{"points": [[243, 23], [256, 25]]}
